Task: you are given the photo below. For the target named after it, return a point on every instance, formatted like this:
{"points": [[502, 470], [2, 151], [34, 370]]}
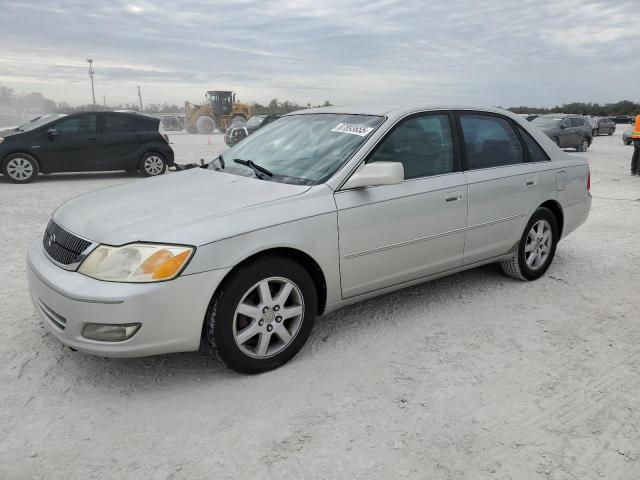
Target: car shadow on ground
{"points": [[196, 368], [59, 177]]}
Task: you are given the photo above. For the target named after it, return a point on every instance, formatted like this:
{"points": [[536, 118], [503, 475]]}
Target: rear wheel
{"points": [[152, 164], [536, 248], [611, 130], [20, 168], [594, 132], [262, 315]]}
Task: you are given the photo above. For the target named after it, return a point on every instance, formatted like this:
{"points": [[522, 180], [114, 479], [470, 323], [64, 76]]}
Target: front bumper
{"points": [[171, 313]]}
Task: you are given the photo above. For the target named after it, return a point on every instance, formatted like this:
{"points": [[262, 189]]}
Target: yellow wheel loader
{"points": [[220, 111]]}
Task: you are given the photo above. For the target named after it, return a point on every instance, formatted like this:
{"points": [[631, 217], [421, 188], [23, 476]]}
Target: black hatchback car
{"points": [[85, 142]]}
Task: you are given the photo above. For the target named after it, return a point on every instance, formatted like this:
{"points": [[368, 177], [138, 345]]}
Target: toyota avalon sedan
{"points": [[323, 208]]}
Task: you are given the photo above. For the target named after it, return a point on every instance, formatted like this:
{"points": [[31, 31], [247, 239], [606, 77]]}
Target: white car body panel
{"points": [[365, 241]]}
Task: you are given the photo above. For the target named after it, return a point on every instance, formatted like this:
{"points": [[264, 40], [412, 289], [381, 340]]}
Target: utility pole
{"points": [[140, 97], [91, 72]]}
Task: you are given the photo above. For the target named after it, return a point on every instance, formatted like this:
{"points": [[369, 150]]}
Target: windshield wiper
{"points": [[257, 169]]}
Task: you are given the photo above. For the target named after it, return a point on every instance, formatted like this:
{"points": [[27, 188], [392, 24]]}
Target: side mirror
{"points": [[563, 126], [52, 133], [376, 174]]}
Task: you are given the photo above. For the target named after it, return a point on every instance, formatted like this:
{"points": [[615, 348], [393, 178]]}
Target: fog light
{"points": [[110, 333]]}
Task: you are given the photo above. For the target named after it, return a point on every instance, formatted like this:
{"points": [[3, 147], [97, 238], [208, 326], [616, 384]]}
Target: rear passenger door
{"points": [[503, 186], [118, 141], [392, 234]]}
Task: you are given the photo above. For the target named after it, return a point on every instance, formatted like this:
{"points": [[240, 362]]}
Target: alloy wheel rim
{"points": [[19, 168], [153, 165], [538, 245], [268, 317]]}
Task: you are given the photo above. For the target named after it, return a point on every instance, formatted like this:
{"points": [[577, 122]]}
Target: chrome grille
{"points": [[62, 246]]}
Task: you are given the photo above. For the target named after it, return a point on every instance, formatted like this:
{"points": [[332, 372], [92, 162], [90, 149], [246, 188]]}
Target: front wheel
{"points": [[584, 145], [262, 315], [20, 168], [611, 130], [152, 164], [536, 248], [594, 132]]}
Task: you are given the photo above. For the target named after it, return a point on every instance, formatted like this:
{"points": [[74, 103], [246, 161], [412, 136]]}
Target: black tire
{"points": [[205, 124], [611, 130], [221, 315], [556, 141], [20, 168], [152, 164], [517, 267], [584, 145], [594, 133]]}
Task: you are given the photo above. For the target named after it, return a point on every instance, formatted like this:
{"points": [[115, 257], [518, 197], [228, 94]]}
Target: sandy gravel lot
{"points": [[475, 376]]}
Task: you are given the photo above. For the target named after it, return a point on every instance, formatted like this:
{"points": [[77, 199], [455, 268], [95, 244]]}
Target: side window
{"points": [[83, 124], [423, 145], [117, 123], [490, 141], [577, 122], [536, 153]]}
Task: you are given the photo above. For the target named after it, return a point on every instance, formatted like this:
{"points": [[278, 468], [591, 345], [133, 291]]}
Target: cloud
{"points": [[483, 52]]}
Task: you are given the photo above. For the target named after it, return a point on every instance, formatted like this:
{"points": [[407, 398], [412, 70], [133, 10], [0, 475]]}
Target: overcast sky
{"points": [[486, 52]]}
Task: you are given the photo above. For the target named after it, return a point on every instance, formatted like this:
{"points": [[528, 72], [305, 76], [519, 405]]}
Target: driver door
{"points": [[392, 234], [72, 144]]}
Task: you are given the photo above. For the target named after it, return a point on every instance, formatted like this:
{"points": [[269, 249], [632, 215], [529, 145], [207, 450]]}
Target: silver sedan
{"points": [[320, 209]]}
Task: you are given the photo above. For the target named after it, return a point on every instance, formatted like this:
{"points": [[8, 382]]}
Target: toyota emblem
{"points": [[52, 239]]}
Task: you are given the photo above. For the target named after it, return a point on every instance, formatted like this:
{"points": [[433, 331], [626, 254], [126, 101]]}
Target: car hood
{"points": [[143, 210]]}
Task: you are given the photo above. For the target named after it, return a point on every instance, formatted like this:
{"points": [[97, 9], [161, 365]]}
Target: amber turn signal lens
{"points": [[171, 266], [152, 263]]}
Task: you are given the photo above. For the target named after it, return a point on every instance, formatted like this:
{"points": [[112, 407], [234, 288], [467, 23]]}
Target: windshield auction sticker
{"points": [[352, 128]]}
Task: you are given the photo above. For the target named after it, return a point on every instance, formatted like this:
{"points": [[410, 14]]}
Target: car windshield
{"points": [[35, 123], [255, 121], [546, 122], [302, 149]]}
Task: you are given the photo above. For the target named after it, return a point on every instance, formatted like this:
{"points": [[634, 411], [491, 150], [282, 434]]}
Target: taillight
{"points": [[588, 180]]}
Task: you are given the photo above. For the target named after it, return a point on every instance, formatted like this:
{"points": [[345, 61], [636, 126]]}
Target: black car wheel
{"points": [[152, 164], [262, 315], [611, 130], [584, 145], [20, 168], [556, 141], [594, 133]]}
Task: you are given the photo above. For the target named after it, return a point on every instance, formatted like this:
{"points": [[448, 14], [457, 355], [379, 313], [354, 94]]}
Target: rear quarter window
{"points": [[490, 141], [536, 152]]}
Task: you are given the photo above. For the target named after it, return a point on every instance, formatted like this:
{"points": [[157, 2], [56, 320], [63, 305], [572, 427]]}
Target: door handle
{"points": [[93, 140], [453, 196], [531, 181]]}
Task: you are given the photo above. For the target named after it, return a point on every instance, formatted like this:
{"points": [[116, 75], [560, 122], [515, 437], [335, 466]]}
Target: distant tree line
{"points": [[625, 107], [38, 103], [275, 107]]}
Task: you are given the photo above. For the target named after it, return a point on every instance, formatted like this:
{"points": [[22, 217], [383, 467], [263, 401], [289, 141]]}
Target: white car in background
{"points": [[323, 208]]}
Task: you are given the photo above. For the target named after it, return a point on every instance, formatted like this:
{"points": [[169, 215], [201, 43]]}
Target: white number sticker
{"points": [[352, 128]]}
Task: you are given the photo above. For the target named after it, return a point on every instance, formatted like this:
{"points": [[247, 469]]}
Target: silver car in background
{"points": [[321, 209]]}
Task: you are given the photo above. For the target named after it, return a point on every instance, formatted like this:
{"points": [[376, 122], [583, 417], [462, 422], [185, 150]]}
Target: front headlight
{"points": [[136, 263]]}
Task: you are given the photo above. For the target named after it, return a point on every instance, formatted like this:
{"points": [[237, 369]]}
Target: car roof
{"points": [[394, 110]]}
